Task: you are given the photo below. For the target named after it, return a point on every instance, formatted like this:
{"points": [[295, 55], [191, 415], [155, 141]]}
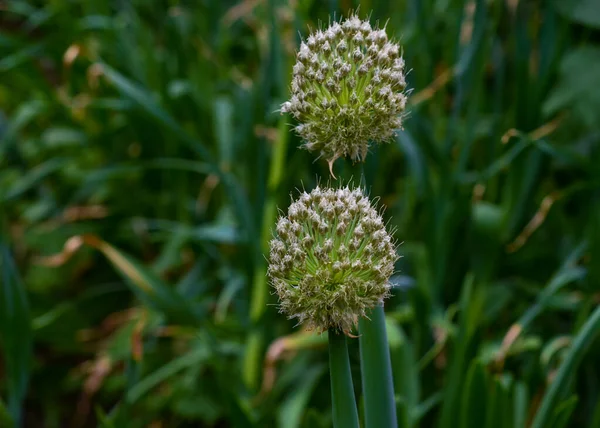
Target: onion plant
{"points": [[332, 257]]}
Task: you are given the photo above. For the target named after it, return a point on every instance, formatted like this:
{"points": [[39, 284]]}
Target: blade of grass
{"points": [[596, 414], [32, 178], [143, 387], [5, 419], [25, 114], [427, 405], [260, 289], [406, 370], [345, 414], [499, 406], [149, 288], [20, 57], [15, 332], [520, 405], [376, 371], [403, 414], [471, 305], [147, 103], [566, 274], [524, 173], [104, 421], [563, 412], [557, 389], [475, 398], [292, 410]]}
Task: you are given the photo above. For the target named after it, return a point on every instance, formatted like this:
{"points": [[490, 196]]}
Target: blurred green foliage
{"points": [[146, 135]]}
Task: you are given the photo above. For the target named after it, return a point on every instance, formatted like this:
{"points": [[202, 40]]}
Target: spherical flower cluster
{"points": [[347, 89], [331, 259]]}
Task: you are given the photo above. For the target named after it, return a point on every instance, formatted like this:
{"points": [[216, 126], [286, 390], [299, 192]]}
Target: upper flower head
{"points": [[331, 259], [347, 89]]}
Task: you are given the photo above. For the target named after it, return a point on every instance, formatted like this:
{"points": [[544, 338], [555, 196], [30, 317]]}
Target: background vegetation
{"points": [[144, 136]]}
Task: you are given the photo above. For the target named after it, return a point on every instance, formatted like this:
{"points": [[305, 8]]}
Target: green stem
{"points": [[343, 402], [260, 290], [376, 370], [253, 354]]}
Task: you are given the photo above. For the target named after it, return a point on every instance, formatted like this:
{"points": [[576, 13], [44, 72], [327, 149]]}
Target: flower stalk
{"points": [[376, 371], [345, 414]]}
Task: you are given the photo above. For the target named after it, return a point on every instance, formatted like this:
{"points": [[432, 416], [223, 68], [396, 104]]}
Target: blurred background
{"points": [[142, 163]]}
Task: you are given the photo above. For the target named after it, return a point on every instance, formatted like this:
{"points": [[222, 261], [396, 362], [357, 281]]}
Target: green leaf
{"points": [[520, 405], [315, 419], [402, 413], [486, 229], [563, 412], [565, 274], [405, 369], [104, 421], [32, 178], [224, 129], [20, 57], [148, 102], [148, 286], [144, 283], [585, 12], [595, 419], [5, 418], [25, 114], [499, 405], [63, 137], [561, 279], [415, 161], [427, 405], [345, 414], [579, 71], [475, 396], [566, 371], [292, 409], [15, 332], [376, 371], [192, 358], [471, 304]]}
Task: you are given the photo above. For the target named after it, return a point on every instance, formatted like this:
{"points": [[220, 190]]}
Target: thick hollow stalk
{"points": [[376, 371], [345, 414]]}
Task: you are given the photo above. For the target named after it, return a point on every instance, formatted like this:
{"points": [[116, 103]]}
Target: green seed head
{"points": [[347, 89], [331, 259]]}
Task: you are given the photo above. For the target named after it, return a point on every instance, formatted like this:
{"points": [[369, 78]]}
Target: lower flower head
{"points": [[331, 258]]}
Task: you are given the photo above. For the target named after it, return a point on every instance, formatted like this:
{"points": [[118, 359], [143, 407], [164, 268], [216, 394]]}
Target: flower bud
{"points": [[334, 270], [337, 116]]}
